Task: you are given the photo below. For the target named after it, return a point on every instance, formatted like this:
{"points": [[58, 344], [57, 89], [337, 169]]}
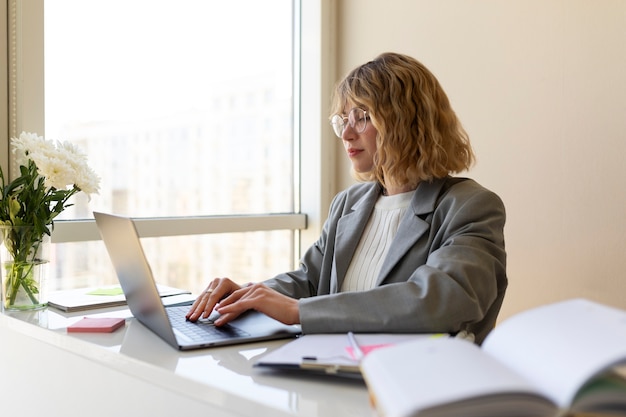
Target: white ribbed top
{"points": [[375, 241]]}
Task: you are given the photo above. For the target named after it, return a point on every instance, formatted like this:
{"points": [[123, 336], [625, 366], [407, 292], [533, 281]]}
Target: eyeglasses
{"points": [[357, 119]]}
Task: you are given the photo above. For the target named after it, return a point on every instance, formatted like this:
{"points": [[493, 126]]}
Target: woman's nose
{"points": [[348, 132]]}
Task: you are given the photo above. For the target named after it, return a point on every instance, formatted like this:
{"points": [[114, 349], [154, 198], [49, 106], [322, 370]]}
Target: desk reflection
{"points": [[231, 369], [223, 378]]}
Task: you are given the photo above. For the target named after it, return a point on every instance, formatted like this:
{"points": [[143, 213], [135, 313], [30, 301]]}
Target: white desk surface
{"points": [[133, 372]]}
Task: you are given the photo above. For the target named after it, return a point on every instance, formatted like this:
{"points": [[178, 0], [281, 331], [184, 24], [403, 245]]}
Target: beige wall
{"points": [[540, 85]]}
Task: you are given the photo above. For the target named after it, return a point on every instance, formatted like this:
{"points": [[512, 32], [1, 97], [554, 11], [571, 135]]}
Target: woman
{"points": [[409, 248]]}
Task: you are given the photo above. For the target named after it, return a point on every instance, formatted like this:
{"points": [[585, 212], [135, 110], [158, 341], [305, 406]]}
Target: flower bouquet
{"points": [[49, 174]]}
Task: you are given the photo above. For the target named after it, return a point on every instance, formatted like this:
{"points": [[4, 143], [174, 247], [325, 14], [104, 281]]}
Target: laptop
{"points": [[168, 322]]}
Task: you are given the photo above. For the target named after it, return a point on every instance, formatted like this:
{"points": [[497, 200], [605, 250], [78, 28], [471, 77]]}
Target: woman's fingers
{"points": [[261, 298], [215, 291]]}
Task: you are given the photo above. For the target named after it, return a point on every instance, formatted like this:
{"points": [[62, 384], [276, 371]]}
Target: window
{"points": [[183, 111], [190, 116]]}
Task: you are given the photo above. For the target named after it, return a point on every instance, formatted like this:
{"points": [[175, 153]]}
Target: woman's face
{"points": [[360, 146]]}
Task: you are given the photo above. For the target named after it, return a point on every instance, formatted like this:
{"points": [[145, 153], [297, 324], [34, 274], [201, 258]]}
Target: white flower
{"points": [[61, 164], [28, 144], [56, 171], [87, 180]]}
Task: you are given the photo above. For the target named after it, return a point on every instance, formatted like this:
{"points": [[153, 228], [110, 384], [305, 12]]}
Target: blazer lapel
{"points": [[413, 225], [349, 230]]}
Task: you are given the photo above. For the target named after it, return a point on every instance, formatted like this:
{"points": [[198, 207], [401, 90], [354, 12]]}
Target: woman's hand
{"points": [[230, 300], [261, 298], [215, 291]]}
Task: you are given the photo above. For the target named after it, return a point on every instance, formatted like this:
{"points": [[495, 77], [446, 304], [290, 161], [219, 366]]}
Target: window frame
{"points": [[22, 73]]}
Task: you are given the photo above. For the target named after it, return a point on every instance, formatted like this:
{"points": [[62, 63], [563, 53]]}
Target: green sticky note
{"points": [[107, 291]]}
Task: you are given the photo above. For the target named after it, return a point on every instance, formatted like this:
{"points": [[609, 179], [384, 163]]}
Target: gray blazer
{"points": [[445, 270]]}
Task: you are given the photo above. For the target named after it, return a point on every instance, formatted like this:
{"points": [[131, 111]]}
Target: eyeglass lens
{"points": [[357, 118]]}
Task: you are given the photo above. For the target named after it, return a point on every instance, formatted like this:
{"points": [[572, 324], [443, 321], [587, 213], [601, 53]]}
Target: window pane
{"points": [[187, 262], [184, 108]]}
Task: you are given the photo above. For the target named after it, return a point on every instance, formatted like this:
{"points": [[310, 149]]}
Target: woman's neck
{"points": [[393, 190]]}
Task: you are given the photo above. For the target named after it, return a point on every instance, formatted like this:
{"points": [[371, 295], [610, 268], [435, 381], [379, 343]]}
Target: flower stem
{"points": [[18, 277]]}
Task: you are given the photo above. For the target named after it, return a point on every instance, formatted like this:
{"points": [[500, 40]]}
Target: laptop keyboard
{"points": [[200, 330]]}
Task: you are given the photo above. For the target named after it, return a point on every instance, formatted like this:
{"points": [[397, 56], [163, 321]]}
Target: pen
{"points": [[356, 349]]}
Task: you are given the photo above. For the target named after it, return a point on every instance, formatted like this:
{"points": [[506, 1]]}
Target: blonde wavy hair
{"points": [[419, 135]]}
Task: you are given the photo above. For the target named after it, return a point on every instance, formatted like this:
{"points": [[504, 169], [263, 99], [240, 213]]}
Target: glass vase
{"points": [[24, 260]]}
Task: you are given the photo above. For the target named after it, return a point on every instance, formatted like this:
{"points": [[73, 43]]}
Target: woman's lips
{"points": [[353, 152]]}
